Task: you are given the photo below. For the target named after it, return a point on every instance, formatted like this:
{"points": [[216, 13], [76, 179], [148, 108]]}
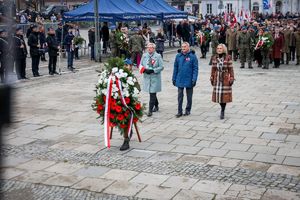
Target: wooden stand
{"points": [[136, 130]]}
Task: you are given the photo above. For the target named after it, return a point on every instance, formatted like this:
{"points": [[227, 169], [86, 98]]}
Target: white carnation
{"points": [[114, 70]]}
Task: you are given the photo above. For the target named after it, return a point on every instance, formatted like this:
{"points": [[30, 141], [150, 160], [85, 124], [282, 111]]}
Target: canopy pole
{"points": [[97, 33]]}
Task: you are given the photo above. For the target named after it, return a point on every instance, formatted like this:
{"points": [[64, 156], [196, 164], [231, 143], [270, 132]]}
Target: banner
{"points": [[266, 4]]}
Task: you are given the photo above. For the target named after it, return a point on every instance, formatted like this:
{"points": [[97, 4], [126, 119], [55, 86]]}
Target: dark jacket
{"points": [[19, 53], [68, 42], [52, 45], [33, 42], [105, 33], [4, 49], [91, 38], [160, 43], [58, 33]]}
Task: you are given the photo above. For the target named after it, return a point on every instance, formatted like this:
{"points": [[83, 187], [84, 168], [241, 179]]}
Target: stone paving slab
{"points": [[157, 192]]}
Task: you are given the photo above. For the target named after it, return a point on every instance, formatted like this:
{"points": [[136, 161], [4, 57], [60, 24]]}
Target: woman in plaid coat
{"points": [[222, 78]]}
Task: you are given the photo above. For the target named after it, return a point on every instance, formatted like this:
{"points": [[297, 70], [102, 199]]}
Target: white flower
{"points": [[130, 81], [113, 79], [114, 70], [134, 80], [115, 88], [118, 74], [104, 91], [121, 71], [115, 96], [124, 75], [99, 91], [100, 81]]}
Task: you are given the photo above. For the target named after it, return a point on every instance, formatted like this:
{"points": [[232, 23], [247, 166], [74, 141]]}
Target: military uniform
{"points": [[297, 40], [286, 49], [244, 45], [231, 43], [113, 44], [214, 43], [136, 47], [266, 50]]}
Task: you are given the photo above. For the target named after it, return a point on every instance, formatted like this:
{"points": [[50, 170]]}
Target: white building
{"points": [[213, 6]]}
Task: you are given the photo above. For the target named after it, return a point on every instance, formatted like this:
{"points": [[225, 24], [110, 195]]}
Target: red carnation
{"points": [[118, 109], [138, 106], [135, 120], [99, 108], [120, 117], [123, 126], [127, 100], [111, 116], [126, 113], [104, 98], [113, 107], [113, 124]]}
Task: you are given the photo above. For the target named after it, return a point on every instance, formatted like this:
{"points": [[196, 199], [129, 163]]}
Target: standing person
{"points": [[257, 50], [136, 47], [160, 42], [76, 49], [91, 34], [68, 41], [297, 42], [244, 45], [58, 33], [286, 50], [29, 30], [4, 53], [53, 47], [277, 47], [186, 31], [231, 35], [113, 42], [292, 44], [20, 51], [179, 32], [222, 78], [185, 75], [214, 41], [33, 43], [266, 49], [43, 43], [105, 36], [151, 66]]}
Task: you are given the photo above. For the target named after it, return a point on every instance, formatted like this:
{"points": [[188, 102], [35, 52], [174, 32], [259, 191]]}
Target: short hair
{"points": [[150, 44], [224, 48], [186, 43]]}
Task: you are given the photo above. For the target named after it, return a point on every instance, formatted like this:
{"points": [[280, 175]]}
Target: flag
{"points": [[270, 3], [266, 4]]}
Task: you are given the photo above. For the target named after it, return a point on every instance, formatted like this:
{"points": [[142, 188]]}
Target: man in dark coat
{"points": [[53, 47], [68, 42], [91, 34], [20, 55], [33, 43], [186, 31], [185, 75], [58, 33], [179, 32], [105, 36], [4, 53]]}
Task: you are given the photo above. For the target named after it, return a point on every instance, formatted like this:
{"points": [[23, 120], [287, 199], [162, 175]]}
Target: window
{"points": [[209, 8], [229, 7]]}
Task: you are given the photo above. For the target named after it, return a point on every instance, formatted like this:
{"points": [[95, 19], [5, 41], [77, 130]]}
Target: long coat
{"points": [[220, 78], [185, 70], [152, 82], [52, 45], [231, 40], [287, 38], [277, 46], [297, 41]]}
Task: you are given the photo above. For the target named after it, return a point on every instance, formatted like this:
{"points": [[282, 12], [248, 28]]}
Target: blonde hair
{"points": [[224, 48]]}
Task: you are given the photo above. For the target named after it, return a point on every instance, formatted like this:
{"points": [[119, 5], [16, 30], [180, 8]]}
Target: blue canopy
{"points": [[113, 10], [168, 12]]}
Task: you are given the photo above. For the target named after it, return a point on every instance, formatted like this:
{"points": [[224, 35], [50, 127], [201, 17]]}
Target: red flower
{"points": [[113, 106], [113, 124], [138, 106], [99, 108], [120, 117], [135, 120], [123, 126], [104, 98], [111, 116], [127, 100], [118, 109], [126, 113]]}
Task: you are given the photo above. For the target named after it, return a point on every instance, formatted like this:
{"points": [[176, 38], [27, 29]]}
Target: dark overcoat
{"points": [[278, 46]]}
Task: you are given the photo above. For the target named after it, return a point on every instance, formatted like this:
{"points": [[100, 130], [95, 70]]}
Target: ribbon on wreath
{"points": [[119, 86], [107, 112], [259, 44]]}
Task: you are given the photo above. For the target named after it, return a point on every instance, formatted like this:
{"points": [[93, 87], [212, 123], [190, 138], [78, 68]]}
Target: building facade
{"points": [[218, 6]]}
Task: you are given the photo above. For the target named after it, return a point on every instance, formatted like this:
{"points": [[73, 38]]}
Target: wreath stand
{"points": [[136, 130]]}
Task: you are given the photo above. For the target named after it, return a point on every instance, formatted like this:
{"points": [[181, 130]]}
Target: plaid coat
{"points": [[222, 78]]}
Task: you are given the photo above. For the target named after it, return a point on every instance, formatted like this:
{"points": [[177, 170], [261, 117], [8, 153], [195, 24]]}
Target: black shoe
{"points": [[222, 115], [297, 63], [259, 66], [242, 67], [149, 114], [178, 115], [51, 73], [155, 109], [25, 77], [250, 67], [55, 72], [187, 113], [125, 145], [36, 75]]}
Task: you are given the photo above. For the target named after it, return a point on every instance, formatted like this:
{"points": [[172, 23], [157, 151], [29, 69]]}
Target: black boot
{"points": [[222, 115], [125, 145], [155, 109]]}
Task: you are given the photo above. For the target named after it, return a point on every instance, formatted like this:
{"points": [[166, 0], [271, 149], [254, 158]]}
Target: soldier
{"points": [[136, 47], [91, 35], [297, 41], [20, 52], [266, 48], [244, 45], [33, 43], [214, 41], [286, 50], [4, 52], [231, 35]]}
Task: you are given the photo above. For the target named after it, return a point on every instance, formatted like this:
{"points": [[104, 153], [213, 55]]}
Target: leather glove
{"points": [[231, 82], [149, 71], [194, 83], [174, 82]]}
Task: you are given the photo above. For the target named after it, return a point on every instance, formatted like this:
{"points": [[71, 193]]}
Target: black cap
{"points": [[2, 30]]}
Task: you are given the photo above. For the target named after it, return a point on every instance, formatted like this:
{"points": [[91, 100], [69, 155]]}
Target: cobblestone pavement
{"points": [[54, 149]]}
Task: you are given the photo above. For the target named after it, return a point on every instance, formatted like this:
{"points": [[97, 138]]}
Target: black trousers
{"points": [[203, 51], [2, 71], [76, 53], [153, 101], [161, 53], [223, 106], [35, 61], [292, 53], [21, 68], [276, 62], [189, 95], [52, 64]]}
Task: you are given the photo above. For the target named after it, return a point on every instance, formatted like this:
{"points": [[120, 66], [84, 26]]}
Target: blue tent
{"points": [[168, 12], [113, 10]]}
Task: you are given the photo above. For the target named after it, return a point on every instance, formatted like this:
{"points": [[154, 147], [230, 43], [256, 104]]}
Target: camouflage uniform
{"points": [[286, 49], [113, 44], [231, 43], [265, 51], [136, 47], [244, 45], [214, 43]]}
